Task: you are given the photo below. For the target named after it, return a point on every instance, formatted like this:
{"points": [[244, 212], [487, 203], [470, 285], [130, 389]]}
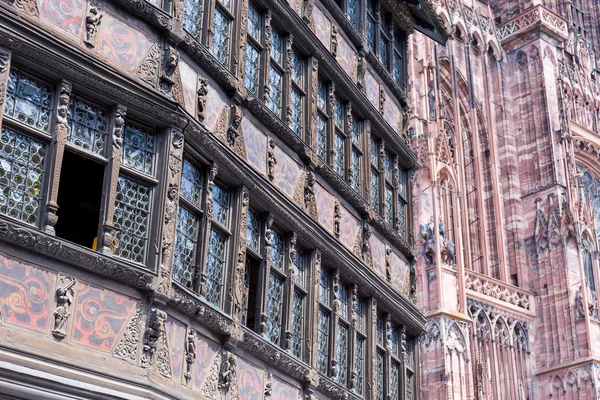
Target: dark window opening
{"points": [[251, 290], [79, 196]]}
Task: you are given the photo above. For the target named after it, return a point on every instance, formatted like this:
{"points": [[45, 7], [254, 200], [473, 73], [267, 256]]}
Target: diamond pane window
{"points": [[395, 381], [380, 330], [401, 217], [191, 183], [410, 354], [324, 288], [300, 268], [297, 69], [371, 34], [398, 70], [276, 45], [359, 365], [185, 244], [321, 137], [389, 167], [322, 96], [394, 343], [132, 211], [356, 131], [220, 205], [361, 315], [87, 125], [339, 155], [277, 250], [383, 50], [28, 100], [297, 322], [21, 172], [379, 378], [138, 148], [389, 200], [226, 4], [374, 150], [220, 41], [343, 295], [296, 108], [402, 183], [340, 113], [252, 68], [275, 90], [353, 10], [323, 342], [374, 190], [215, 265], [410, 385], [192, 21], [274, 308], [253, 236], [254, 23], [356, 162], [246, 293], [341, 354]]}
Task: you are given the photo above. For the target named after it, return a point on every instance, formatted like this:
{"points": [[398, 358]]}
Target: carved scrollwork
{"points": [[148, 69], [127, 348]]}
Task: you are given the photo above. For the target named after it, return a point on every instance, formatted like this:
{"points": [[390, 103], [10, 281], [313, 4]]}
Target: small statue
{"points": [[234, 130], [579, 303], [202, 92], [190, 353], [227, 374], [92, 21], [334, 40], [271, 160], [172, 62], [337, 219], [426, 231], [64, 299]]}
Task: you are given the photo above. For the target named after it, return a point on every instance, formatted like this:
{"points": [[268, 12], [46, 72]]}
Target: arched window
{"points": [[588, 268]]}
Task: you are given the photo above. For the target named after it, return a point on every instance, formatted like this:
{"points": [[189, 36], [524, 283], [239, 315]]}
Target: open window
{"points": [[251, 292], [79, 197]]}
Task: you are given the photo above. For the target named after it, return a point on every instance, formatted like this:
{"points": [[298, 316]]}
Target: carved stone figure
{"points": [[426, 231], [268, 387], [64, 298], [234, 131], [337, 218], [309, 189], [228, 372], [334, 40], [201, 93], [190, 353], [447, 251], [579, 303], [154, 331], [171, 62], [92, 21], [366, 246], [271, 160], [117, 139]]}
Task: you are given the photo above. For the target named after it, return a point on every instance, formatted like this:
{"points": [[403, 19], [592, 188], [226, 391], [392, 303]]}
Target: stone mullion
{"points": [[335, 317], [237, 280], [200, 276], [210, 23], [314, 334], [267, 58], [106, 240], [312, 127], [57, 149], [352, 336], [173, 178], [290, 282], [266, 273], [288, 79], [331, 125], [370, 373], [5, 58], [242, 48]]}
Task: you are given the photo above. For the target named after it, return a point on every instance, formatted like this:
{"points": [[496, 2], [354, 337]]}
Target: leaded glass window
{"points": [[361, 315], [254, 22], [399, 71], [322, 121], [389, 166], [379, 376], [277, 250], [138, 148], [253, 236], [393, 340], [274, 308], [297, 323], [356, 168], [297, 101], [357, 154], [252, 68], [87, 125], [324, 288], [339, 160], [380, 331], [321, 138], [389, 204], [21, 173], [132, 212], [28, 100], [359, 365], [403, 203], [323, 342], [191, 182], [374, 152], [298, 93], [343, 299], [276, 47], [300, 268], [410, 370], [322, 96], [354, 12], [342, 354], [220, 205], [372, 24], [275, 91], [395, 381], [375, 190], [192, 17], [340, 114], [185, 245], [221, 38], [215, 266]]}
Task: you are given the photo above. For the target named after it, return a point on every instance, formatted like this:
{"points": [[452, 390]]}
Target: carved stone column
{"points": [[200, 278], [314, 332], [268, 44], [352, 336], [266, 273], [5, 57], [165, 267], [237, 283], [111, 180], [311, 131], [331, 138], [290, 290], [370, 379], [288, 93], [334, 323], [57, 147], [243, 40]]}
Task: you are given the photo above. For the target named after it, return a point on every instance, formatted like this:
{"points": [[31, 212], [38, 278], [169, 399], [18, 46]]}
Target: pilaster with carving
{"points": [[350, 119], [190, 354], [235, 139], [57, 146], [271, 160], [290, 289], [238, 284], [65, 293], [200, 278], [170, 65], [311, 135], [352, 338], [310, 202], [111, 175], [288, 93], [243, 40], [382, 99], [171, 202], [268, 45], [5, 58], [93, 18], [331, 99], [266, 273], [334, 40], [335, 318], [154, 335], [314, 333], [371, 355]]}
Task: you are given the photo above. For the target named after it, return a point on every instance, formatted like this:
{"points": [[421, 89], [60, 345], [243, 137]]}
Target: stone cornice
{"points": [[538, 17], [33, 239], [149, 13]]}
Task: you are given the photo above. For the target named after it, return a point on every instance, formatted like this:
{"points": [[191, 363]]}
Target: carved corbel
{"points": [[93, 19], [58, 145], [202, 93], [169, 68], [155, 333], [271, 160], [64, 299]]}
